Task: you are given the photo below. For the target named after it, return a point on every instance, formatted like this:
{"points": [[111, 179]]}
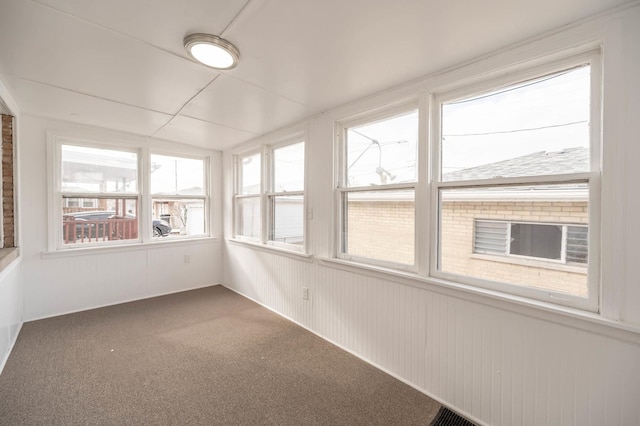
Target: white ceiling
{"points": [[120, 64]]}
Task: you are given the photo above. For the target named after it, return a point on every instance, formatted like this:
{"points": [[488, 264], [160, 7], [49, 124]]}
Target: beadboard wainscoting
{"points": [[11, 302], [497, 366]]}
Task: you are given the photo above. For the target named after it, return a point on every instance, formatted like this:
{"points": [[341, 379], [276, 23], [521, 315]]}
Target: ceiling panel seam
{"points": [[86, 94], [195, 118], [231, 23], [114, 31], [235, 18], [185, 105]]}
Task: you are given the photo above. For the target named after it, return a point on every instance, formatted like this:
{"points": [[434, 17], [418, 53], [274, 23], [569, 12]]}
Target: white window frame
{"points": [[271, 195], [56, 200], [266, 193], [592, 178], [238, 195], [342, 190], [507, 253], [205, 198], [143, 196]]}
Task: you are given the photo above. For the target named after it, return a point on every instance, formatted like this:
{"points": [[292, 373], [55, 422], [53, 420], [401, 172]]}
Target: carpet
{"points": [[207, 356]]}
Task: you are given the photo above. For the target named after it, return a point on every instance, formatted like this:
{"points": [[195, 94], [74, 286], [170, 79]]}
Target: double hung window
{"points": [[247, 200], [515, 167], [99, 190], [508, 194], [285, 199], [178, 196], [101, 195], [377, 188], [269, 201]]}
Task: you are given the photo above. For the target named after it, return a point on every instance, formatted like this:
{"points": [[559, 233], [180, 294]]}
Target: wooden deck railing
{"points": [[87, 231]]}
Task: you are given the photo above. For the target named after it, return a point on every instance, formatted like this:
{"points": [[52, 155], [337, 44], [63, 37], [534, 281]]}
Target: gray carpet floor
{"points": [[207, 356]]}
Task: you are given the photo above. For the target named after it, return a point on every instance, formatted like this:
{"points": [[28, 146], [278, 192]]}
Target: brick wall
{"points": [[381, 230], [385, 230], [457, 242], [7, 182]]}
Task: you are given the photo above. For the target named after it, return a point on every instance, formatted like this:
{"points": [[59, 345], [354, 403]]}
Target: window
{"points": [[555, 242], [276, 205], [247, 199], [515, 179], [286, 196], [178, 196], [102, 197], [99, 194], [377, 187]]}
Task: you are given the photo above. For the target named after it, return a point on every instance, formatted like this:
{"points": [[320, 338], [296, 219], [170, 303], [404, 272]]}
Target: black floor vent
{"points": [[446, 417]]}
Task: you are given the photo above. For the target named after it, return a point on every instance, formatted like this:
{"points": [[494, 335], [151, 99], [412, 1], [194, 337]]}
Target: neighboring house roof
{"points": [[569, 160]]}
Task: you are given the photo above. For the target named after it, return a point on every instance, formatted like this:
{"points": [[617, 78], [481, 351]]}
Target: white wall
{"points": [[55, 283], [500, 360], [10, 309], [11, 297]]}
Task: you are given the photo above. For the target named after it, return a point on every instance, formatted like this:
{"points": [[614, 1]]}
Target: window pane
{"points": [[176, 176], [111, 219], [539, 127], [174, 217], [248, 214], [382, 152], [534, 215], [288, 219], [250, 174], [577, 244], [98, 170], [490, 237], [380, 225], [288, 164], [544, 241]]}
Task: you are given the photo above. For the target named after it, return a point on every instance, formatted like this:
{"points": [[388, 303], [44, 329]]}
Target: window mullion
{"points": [[563, 245]]}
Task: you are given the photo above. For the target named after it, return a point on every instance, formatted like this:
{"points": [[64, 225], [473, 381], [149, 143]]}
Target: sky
{"points": [[169, 175], [546, 114], [549, 113]]}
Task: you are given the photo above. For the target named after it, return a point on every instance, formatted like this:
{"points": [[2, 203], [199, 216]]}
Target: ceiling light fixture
{"points": [[212, 51]]}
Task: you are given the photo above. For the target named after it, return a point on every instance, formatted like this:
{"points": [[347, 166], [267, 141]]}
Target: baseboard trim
{"points": [[151, 296], [368, 361]]}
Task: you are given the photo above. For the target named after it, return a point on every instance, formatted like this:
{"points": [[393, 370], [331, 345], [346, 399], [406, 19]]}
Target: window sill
{"points": [[7, 256], [545, 311], [125, 247], [273, 249], [531, 262]]}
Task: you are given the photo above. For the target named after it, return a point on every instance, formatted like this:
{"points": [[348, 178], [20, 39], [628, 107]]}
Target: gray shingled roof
{"points": [[569, 160]]}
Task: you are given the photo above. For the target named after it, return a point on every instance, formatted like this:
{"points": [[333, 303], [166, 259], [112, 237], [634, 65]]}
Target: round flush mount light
{"points": [[212, 51]]}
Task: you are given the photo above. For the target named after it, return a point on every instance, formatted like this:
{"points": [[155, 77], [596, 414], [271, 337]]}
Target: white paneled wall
{"points": [[497, 366], [10, 309], [499, 360], [56, 283]]}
